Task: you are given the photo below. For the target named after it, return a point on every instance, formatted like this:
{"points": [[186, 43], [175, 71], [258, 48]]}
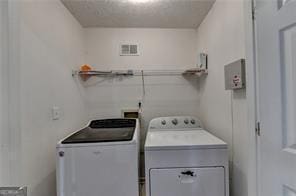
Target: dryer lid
{"points": [[189, 139]]}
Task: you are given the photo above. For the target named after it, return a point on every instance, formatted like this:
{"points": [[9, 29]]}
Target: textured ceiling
{"points": [[152, 14]]}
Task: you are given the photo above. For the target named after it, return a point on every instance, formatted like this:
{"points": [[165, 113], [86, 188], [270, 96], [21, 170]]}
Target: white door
{"points": [[276, 60], [208, 181]]}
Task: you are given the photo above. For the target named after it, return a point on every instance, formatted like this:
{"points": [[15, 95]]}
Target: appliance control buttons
{"points": [[175, 121], [163, 122], [192, 121], [186, 121]]}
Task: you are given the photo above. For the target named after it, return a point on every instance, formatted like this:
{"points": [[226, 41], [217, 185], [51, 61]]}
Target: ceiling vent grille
{"points": [[129, 50]]}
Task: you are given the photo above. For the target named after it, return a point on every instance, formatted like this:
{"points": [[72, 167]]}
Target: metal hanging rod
{"points": [[195, 71]]}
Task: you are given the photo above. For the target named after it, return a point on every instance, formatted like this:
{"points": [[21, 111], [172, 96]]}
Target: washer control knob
{"points": [[192, 121], [186, 121], [163, 122], [175, 121]]}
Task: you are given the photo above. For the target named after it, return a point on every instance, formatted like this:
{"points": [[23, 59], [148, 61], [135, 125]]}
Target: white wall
{"points": [[51, 45], [159, 49], [4, 127], [221, 36]]}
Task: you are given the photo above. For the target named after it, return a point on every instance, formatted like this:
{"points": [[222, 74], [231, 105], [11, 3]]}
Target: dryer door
{"points": [[208, 181]]}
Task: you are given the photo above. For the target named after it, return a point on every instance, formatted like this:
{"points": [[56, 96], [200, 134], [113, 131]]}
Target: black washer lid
{"points": [[113, 123], [107, 130]]}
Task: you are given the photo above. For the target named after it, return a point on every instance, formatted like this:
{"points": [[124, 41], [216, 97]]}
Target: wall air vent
{"points": [[129, 50]]}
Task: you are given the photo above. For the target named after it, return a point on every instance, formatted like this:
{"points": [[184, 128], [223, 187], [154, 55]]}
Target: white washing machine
{"points": [[101, 159], [183, 159]]}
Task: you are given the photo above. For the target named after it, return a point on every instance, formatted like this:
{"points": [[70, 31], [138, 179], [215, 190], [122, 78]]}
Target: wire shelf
{"points": [[113, 73]]}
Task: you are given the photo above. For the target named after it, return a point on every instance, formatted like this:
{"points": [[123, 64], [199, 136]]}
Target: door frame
{"points": [[4, 125], [13, 93], [252, 95]]}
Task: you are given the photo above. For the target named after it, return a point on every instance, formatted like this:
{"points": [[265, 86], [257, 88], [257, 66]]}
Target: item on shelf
{"points": [[85, 68]]}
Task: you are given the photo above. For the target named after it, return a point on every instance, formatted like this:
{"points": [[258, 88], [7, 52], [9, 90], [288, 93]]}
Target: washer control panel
{"points": [[175, 122]]}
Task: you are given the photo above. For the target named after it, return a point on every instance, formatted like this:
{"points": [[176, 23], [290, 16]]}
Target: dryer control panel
{"points": [[175, 122]]}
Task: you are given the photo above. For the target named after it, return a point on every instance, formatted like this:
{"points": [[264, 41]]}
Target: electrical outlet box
{"points": [[235, 75], [130, 113]]}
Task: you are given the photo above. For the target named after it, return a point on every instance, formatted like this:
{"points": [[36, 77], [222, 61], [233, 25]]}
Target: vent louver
{"points": [[129, 50]]}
